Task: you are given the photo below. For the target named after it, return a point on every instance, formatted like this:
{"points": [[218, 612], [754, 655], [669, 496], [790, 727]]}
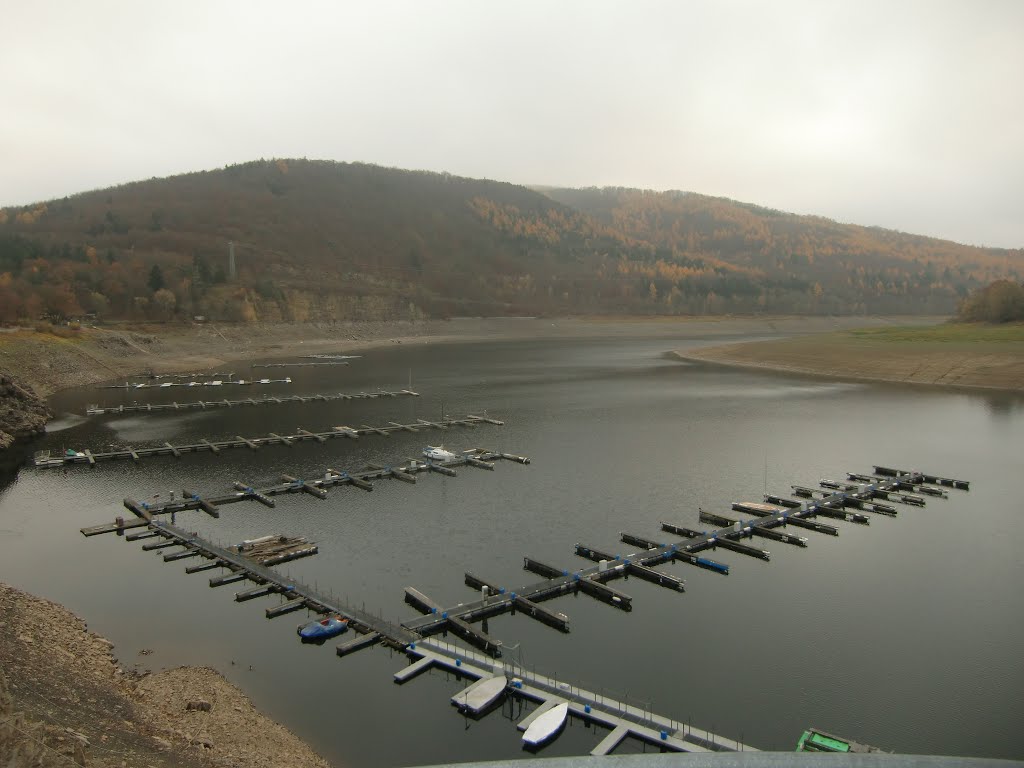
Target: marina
{"points": [[250, 561], [556, 700], [96, 410], [89, 457]]}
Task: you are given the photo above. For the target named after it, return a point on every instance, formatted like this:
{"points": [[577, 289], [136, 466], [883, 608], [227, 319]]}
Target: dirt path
{"points": [[64, 697]]}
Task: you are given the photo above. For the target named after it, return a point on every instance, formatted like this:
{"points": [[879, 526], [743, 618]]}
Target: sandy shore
{"points": [[912, 358]]}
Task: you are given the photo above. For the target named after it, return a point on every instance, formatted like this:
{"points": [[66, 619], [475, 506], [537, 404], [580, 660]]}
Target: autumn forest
{"points": [[321, 241]]}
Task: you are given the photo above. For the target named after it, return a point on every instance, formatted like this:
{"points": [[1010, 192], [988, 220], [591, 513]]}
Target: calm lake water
{"points": [[906, 634]]}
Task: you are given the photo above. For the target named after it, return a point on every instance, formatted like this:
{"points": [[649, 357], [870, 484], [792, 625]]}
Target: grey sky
{"points": [[907, 115]]}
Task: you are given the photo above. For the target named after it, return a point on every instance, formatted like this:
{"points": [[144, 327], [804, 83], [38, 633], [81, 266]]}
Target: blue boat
{"points": [[323, 629]]}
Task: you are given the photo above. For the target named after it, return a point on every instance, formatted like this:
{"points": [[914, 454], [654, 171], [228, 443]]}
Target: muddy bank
{"points": [[974, 364], [64, 697]]}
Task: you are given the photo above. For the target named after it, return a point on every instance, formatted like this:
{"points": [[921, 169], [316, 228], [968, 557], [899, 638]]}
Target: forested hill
{"points": [[848, 268], [321, 240]]}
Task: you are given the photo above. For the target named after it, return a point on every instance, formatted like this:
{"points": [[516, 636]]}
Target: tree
{"points": [[99, 304], [999, 302], [165, 301], [156, 278]]}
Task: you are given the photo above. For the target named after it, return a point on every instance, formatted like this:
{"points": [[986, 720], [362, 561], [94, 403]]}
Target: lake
{"points": [[905, 634]]}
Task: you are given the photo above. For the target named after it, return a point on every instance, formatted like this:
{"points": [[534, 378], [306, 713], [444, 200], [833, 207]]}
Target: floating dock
{"points": [[299, 365], [474, 457], [89, 457], [769, 521], [250, 561], [151, 375], [95, 410], [621, 719], [210, 383]]}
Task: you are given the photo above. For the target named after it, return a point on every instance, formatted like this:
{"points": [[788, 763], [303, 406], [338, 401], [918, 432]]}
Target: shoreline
{"points": [[49, 363], [974, 367], [42, 363], [66, 697]]}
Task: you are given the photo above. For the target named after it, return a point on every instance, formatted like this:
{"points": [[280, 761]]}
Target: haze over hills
{"points": [[318, 240]]}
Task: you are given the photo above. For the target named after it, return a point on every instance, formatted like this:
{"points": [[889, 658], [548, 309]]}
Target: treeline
{"points": [[322, 240], [1000, 302]]}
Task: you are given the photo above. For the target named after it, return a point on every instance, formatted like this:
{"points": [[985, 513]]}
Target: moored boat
{"points": [[437, 453], [756, 508], [323, 629], [481, 694], [547, 726]]}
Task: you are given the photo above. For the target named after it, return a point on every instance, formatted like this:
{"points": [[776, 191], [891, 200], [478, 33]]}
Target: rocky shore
{"points": [[22, 412], [64, 699]]}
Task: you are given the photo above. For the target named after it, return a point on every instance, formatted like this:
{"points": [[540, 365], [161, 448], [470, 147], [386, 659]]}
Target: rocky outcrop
{"points": [[22, 412]]}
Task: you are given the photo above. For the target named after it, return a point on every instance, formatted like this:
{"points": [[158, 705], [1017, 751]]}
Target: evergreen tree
{"points": [[156, 278]]}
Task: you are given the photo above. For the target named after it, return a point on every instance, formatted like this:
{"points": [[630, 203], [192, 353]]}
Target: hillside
{"points": [[317, 240], [841, 268]]}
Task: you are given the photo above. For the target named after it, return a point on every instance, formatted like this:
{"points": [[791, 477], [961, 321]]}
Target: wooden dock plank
{"points": [[292, 605], [311, 435], [358, 643], [611, 741], [228, 578], [185, 553], [205, 566], [416, 668]]}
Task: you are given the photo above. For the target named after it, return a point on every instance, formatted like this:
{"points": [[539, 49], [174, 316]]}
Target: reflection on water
{"points": [[65, 421], [905, 633]]}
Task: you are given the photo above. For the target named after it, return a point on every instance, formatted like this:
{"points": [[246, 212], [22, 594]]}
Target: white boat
{"points": [[481, 694], [756, 507], [437, 453], [545, 727]]}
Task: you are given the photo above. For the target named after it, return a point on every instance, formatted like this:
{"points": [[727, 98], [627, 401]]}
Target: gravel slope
{"points": [[62, 694]]}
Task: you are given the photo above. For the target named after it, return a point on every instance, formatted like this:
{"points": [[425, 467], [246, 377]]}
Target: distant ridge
{"points": [[320, 240]]}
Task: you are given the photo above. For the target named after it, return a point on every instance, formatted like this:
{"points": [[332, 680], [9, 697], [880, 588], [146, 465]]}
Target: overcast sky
{"points": [[908, 115]]}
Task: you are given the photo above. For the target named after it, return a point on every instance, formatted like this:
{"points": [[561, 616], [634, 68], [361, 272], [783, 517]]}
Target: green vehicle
{"points": [[814, 740]]}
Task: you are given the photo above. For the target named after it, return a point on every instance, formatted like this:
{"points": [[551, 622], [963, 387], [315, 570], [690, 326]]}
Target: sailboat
{"points": [[438, 453]]}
